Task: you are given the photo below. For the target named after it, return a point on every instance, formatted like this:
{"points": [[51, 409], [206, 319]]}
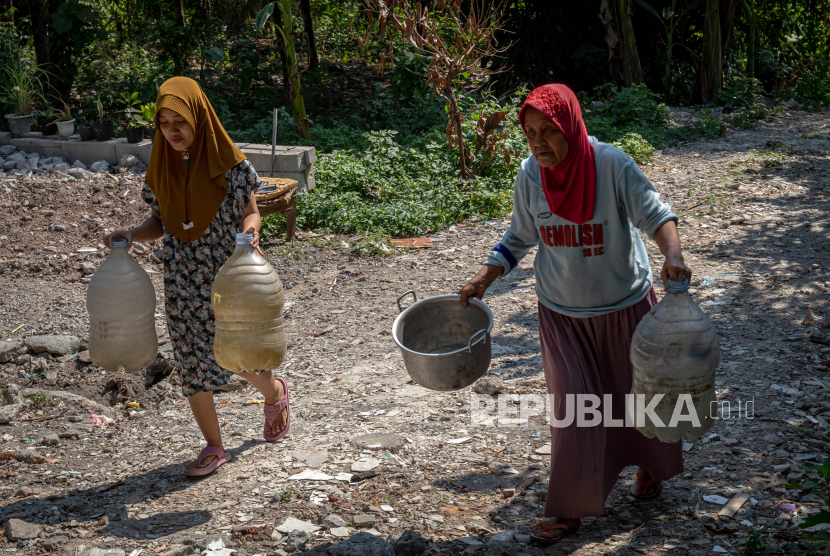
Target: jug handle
{"points": [[404, 294], [470, 342]]}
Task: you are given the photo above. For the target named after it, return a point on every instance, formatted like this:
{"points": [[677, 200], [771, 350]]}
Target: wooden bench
{"points": [[282, 201]]}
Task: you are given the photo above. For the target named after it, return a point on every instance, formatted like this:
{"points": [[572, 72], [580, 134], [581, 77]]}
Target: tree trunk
{"points": [[710, 75], [727, 18], [178, 7], [632, 71], [750, 44], [313, 59], [9, 12], [295, 88], [39, 37]]}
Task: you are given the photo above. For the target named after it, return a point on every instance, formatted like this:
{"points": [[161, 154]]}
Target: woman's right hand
{"points": [[479, 283], [126, 234]]}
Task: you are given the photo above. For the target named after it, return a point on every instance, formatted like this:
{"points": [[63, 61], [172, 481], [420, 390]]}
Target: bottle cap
{"points": [[119, 243], [244, 239], [678, 287]]}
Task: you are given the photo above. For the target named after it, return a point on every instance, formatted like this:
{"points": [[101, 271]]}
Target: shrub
{"points": [[636, 147]]}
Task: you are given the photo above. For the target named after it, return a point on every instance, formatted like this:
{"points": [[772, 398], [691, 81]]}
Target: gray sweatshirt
{"points": [[597, 267]]}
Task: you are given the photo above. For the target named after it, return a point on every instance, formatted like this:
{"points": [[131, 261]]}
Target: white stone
{"points": [[294, 524], [310, 475], [79, 164], [129, 161], [100, 166], [365, 464]]}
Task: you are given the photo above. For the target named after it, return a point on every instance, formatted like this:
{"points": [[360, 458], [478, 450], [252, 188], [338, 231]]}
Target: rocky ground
{"points": [[91, 460]]}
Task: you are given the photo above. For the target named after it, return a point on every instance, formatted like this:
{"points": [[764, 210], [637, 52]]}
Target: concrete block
{"points": [[91, 151], [288, 159], [5, 137], [141, 150], [44, 147]]}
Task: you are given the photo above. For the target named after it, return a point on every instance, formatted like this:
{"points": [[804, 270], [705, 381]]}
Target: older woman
{"points": [[582, 202], [199, 187]]}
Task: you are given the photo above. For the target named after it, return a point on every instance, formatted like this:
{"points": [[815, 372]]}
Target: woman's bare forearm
{"points": [[149, 230]]}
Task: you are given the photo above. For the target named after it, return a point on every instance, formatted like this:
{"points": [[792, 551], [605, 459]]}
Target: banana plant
{"points": [[669, 21], [295, 88]]}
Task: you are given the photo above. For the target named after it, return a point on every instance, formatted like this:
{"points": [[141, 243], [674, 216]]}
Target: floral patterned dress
{"points": [[189, 269]]}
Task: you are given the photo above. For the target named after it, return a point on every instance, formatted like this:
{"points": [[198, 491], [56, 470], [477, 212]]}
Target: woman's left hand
{"points": [[674, 268], [255, 241]]}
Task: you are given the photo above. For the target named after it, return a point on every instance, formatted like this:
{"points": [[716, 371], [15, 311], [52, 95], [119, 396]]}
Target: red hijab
{"points": [[571, 186]]}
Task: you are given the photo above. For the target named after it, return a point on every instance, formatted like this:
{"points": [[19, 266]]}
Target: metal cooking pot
{"points": [[444, 346]]}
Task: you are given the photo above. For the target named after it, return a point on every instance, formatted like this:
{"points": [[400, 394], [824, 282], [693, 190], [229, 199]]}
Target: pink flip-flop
{"points": [[273, 410], [220, 458]]}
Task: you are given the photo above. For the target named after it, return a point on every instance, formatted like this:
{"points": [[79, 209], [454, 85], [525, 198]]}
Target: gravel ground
{"points": [[755, 229]]}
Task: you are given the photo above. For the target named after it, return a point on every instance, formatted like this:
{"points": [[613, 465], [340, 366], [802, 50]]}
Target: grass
{"points": [[39, 399]]}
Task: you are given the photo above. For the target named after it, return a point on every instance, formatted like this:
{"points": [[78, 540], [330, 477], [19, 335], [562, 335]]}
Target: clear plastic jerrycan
{"points": [[247, 301], [675, 352], [121, 303]]}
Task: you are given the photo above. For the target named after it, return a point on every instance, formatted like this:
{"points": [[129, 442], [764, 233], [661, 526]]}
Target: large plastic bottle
{"points": [[121, 303], [675, 351], [247, 301]]}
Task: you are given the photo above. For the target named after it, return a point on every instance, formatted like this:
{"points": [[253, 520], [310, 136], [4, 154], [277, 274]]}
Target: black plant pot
{"points": [[103, 130], [86, 132], [135, 135], [151, 133], [49, 129]]}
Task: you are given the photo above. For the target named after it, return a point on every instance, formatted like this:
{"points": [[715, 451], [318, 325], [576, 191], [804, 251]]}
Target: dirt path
{"points": [[754, 209]]}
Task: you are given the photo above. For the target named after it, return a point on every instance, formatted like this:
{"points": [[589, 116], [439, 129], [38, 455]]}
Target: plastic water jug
{"points": [[247, 301], [674, 351], [121, 303]]}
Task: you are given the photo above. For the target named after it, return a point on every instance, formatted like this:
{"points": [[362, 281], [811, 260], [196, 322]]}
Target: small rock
{"points": [[521, 539], [8, 413], [84, 357], [104, 552], [508, 492], [6, 150], [773, 439], [204, 542], [362, 544], [235, 384], [56, 345], [410, 543], [10, 350], [54, 543], [730, 441], [79, 165], [500, 538], [129, 161], [61, 167], [51, 440], [29, 455], [380, 441], [341, 532], [19, 530], [543, 450], [365, 464], [333, 520], [100, 166], [364, 519], [294, 524], [11, 394], [489, 386], [296, 540]]}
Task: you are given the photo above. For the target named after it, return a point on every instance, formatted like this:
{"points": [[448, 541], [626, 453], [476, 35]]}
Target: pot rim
{"points": [[436, 299], [9, 116], [59, 122]]}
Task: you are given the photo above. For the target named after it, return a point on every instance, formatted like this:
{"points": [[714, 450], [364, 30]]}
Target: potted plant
{"points": [[25, 90], [65, 121], [149, 112], [134, 120], [86, 131], [46, 122], [103, 128]]}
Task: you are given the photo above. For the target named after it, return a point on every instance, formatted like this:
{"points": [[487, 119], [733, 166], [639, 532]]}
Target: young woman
{"points": [[581, 202], [200, 188]]}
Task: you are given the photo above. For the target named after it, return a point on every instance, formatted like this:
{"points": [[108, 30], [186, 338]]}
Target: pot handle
{"points": [[470, 342], [404, 294]]}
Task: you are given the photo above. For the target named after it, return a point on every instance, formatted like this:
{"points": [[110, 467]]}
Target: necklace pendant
{"points": [[187, 163], [186, 157]]}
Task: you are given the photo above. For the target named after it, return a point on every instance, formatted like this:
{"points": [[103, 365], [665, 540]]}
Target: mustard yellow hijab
{"points": [[189, 195]]}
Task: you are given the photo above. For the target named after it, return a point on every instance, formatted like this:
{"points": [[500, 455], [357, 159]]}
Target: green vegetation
{"points": [[39, 399], [414, 134]]}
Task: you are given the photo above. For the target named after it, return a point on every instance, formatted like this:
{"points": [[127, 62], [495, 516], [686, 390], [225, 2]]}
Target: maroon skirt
{"points": [[591, 356]]}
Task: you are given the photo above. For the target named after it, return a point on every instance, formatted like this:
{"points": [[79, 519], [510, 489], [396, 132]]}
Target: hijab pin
{"points": [[186, 157]]}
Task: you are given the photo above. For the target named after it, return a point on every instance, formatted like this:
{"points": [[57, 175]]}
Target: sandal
{"points": [[273, 410], [566, 530], [651, 489], [220, 457]]}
